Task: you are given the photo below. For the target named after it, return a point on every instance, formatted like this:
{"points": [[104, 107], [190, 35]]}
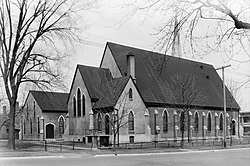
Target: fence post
{"points": [[73, 144], [45, 147]]}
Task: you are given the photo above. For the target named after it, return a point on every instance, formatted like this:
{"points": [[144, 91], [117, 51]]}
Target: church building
{"points": [[139, 96]]}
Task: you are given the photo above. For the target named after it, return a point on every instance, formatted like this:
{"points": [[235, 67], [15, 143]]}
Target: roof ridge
{"points": [[150, 51]]}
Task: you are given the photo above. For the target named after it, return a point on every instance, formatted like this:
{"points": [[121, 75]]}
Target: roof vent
{"points": [[201, 66], [208, 77]]}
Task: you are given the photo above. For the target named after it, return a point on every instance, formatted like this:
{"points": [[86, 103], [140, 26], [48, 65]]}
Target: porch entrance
{"points": [[49, 131], [104, 140]]}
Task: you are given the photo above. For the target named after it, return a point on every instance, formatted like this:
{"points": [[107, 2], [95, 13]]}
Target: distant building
{"points": [[44, 115], [134, 84], [4, 124], [245, 123]]}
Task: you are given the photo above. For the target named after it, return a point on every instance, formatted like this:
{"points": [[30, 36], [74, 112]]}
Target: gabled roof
{"points": [[102, 87], [154, 70], [51, 101]]}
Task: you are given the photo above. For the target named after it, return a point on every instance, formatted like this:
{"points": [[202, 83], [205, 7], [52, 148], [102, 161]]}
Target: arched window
{"points": [[83, 105], [209, 122], [38, 125], [74, 106], [165, 122], [24, 127], [61, 125], [99, 122], [233, 127], [182, 121], [30, 126], [106, 124], [196, 122], [78, 102], [131, 121], [130, 94], [221, 122]]}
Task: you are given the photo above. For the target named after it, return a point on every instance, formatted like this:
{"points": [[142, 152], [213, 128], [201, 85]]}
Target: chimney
{"points": [[131, 65], [4, 110]]}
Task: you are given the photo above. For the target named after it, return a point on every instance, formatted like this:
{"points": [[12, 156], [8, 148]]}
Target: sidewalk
{"points": [[7, 154]]}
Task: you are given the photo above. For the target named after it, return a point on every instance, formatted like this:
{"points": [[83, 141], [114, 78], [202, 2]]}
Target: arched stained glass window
{"points": [[209, 122], [131, 121], [165, 122], [74, 106], [83, 105], [61, 125], [221, 122], [99, 122], [196, 122], [78, 102]]}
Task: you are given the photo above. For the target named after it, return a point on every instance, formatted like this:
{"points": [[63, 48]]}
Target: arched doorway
{"points": [[233, 127], [49, 131]]}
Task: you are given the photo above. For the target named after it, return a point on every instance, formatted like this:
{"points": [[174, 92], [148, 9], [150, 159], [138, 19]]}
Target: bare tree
{"points": [[30, 32], [185, 93], [206, 25]]}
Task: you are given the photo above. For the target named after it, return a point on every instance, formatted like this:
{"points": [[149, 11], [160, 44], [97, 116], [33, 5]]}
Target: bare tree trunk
{"points": [[11, 138]]}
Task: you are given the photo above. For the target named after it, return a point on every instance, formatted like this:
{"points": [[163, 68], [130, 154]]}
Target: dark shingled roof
{"points": [[51, 101], [102, 87], [153, 71]]}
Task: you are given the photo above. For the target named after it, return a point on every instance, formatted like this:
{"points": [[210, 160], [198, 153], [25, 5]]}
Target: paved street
{"points": [[233, 157]]}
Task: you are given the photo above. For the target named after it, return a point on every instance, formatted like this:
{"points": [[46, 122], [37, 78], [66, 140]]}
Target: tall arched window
{"points": [[99, 122], [165, 122], [61, 125], [196, 122], [221, 122], [31, 126], [74, 106], [182, 121], [209, 122], [131, 121], [106, 124], [78, 102], [130, 94], [83, 105], [24, 127]]}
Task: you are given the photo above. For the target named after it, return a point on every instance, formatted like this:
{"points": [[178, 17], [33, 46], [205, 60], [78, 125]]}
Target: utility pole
{"points": [[224, 101]]}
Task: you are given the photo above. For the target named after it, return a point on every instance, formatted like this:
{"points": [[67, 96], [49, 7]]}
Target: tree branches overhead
{"points": [[205, 25]]}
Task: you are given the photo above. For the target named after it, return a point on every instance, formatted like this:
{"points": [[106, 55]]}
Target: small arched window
{"points": [[221, 122], [131, 121], [165, 122], [99, 122], [78, 102], [61, 125], [130, 94], [196, 122], [83, 105], [74, 106], [209, 122]]}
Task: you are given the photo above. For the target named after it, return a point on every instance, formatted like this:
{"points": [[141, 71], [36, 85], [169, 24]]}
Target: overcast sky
{"points": [[102, 23]]}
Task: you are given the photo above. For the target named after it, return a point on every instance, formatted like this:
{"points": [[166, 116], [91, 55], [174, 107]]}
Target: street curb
{"points": [[29, 157], [165, 153]]}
